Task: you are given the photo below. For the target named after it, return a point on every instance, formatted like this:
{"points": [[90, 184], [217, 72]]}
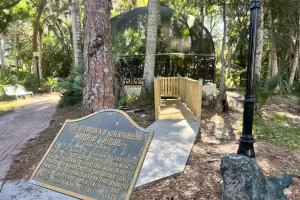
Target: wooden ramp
{"points": [[174, 109], [177, 98]]}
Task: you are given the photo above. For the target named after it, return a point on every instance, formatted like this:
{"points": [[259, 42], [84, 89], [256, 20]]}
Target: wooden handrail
{"points": [[189, 91]]}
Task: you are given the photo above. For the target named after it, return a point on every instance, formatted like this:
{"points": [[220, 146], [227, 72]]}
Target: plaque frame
{"points": [[80, 196]]}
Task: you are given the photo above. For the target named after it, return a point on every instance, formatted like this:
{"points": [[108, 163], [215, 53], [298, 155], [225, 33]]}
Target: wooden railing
{"points": [[189, 91]]}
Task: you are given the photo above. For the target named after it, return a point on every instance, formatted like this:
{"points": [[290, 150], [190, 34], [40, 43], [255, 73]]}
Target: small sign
{"points": [[95, 157], [36, 54]]}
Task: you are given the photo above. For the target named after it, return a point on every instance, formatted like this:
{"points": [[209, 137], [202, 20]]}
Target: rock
{"points": [[143, 115], [277, 184], [243, 179], [287, 192]]}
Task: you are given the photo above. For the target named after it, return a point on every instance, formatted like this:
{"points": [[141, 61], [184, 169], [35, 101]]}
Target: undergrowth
{"points": [[278, 128], [7, 106]]}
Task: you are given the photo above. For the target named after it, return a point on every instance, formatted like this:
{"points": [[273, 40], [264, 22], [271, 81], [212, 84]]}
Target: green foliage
{"points": [[294, 172], [296, 92], [29, 81], [49, 84], [72, 88], [265, 89], [233, 78], [56, 60], [130, 98], [279, 128], [6, 80]]}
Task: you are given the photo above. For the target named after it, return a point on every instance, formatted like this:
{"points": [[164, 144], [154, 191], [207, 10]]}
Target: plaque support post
{"points": [[246, 146]]}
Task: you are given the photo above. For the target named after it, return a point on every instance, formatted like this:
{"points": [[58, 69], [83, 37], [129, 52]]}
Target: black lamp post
{"points": [[246, 141]]}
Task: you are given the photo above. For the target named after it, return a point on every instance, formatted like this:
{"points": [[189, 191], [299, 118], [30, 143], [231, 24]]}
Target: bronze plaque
{"points": [[95, 157]]}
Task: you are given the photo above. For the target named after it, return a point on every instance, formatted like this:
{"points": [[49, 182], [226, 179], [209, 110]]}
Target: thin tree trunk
{"points": [[295, 62], [99, 69], [269, 64], [148, 77], [260, 41], [298, 73], [222, 99], [273, 49], [41, 53], [201, 14], [76, 29], [15, 42], [36, 25], [2, 50]]}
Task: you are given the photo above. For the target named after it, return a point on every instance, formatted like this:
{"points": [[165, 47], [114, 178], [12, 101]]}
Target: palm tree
{"points": [[148, 77], [76, 29]]}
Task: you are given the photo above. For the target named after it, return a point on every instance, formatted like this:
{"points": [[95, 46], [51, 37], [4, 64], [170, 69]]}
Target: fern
{"points": [[265, 89], [72, 88]]}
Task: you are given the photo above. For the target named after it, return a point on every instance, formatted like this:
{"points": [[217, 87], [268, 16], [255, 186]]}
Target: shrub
{"points": [[265, 89], [49, 84], [296, 92], [71, 88], [130, 98]]}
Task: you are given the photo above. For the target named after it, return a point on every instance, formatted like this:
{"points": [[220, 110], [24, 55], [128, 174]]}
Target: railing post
{"points": [[157, 97], [184, 90], [199, 100]]}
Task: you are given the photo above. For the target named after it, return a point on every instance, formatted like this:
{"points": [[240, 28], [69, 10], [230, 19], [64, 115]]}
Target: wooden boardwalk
{"points": [[174, 109]]}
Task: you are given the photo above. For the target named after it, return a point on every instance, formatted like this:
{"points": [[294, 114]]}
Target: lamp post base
{"points": [[246, 147]]}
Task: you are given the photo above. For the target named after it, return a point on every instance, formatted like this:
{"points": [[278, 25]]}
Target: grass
{"points": [[8, 106], [294, 172], [278, 128]]}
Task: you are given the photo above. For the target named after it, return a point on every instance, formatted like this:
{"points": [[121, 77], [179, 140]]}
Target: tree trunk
{"points": [[269, 64], [273, 61], [298, 73], [148, 77], [76, 29], [222, 98], [295, 62], [2, 50], [36, 26], [41, 53], [99, 69], [15, 42], [260, 41]]}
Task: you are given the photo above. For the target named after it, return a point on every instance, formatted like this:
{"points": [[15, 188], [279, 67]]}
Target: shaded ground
{"points": [[201, 178], [9, 105], [32, 153]]}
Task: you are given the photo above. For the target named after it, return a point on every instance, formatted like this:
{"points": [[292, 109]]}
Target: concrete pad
{"points": [[169, 150], [17, 190]]}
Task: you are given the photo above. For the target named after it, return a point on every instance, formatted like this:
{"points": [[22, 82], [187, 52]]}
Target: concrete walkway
{"points": [[169, 150], [23, 124]]}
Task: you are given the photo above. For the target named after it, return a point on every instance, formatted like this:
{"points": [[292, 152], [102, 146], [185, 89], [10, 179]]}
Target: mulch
{"points": [[201, 178]]}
